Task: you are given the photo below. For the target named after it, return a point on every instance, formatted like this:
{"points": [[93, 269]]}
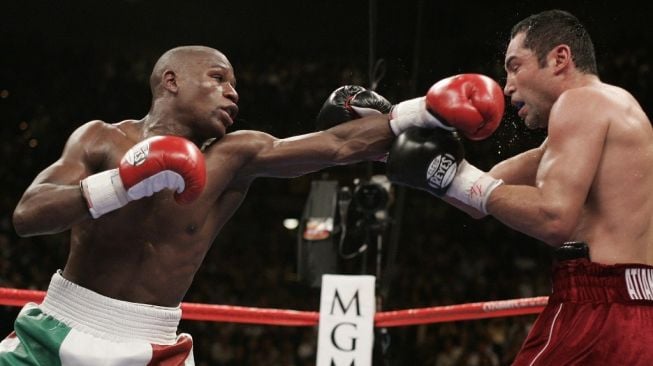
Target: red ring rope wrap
{"points": [[241, 314]]}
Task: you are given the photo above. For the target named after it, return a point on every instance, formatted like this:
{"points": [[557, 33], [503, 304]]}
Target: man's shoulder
{"points": [[579, 94], [97, 139], [601, 95], [98, 129], [97, 126], [584, 104], [243, 141], [234, 153]]}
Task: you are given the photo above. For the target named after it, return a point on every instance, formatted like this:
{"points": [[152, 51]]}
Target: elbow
{"points": [[555, 240], [23, 225], [556, 231], [20, 222]]}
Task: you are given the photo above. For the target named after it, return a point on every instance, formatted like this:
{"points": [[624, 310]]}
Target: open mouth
{"points": [[519, 106]]}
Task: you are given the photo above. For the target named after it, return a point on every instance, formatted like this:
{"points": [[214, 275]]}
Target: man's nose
{"points": [[509, 88], [231, 93]]}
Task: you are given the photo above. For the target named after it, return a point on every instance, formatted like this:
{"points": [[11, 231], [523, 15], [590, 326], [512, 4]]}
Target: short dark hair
{"points": [[548, 29]]}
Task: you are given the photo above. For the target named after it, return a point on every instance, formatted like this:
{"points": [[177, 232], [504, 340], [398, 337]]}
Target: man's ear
{"points": [[560, 58], [170, 81]]}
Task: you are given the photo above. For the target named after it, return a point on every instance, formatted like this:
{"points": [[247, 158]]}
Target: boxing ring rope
{"points": [[266, 316]]}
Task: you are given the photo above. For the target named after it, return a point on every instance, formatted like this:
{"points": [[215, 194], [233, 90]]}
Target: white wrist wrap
{"points": [[472, 186], [104, 192], [411, 113], [155, 183]]}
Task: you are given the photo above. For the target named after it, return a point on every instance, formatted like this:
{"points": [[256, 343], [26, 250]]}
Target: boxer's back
{"points": [[617, 220]]}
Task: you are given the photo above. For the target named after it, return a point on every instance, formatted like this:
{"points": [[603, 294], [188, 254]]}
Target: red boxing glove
{"points": [[471, 103], [154, 164], [163, 162]]}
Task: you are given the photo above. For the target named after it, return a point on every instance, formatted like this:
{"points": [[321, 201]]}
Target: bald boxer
{"points": [[144, 204], [590, 182]]}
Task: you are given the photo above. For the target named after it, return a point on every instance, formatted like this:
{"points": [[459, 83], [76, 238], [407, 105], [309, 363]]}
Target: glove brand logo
{"points": [[441, 171], [137, 154]]}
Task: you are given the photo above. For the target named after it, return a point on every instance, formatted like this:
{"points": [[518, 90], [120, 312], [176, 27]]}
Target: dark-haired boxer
{"points": [[591, 181]]}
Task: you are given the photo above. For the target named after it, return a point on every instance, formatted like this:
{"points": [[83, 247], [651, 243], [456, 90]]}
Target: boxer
{"points": [[144, 200], [590, 181]]}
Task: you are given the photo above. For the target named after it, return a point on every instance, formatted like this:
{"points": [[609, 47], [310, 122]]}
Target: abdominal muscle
{"points": [[149, 259]]}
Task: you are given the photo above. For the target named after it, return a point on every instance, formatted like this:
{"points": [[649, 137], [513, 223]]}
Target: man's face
{"points": [[207, 91], [527, 84]]}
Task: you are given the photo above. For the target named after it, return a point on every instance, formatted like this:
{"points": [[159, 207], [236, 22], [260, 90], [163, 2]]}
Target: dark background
{"points": [[63, 63]]}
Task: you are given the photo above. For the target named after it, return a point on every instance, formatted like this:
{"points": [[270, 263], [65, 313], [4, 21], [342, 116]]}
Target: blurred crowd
{"points": [[442, 256]]}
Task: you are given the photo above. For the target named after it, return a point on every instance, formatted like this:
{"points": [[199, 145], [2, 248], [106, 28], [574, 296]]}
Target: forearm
{"points": [[364, 139], [49, 209], [524, 209], [469, 210], [519, 170]]}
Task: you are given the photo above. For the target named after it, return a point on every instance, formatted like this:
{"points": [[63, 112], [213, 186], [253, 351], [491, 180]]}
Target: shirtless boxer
{"points": [[144, 205], [590, 182]]}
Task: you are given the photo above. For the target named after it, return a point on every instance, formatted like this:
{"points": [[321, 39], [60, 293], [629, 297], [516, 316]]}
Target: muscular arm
{"points": [[520, 169], [53, 202], [550, 209], [364, 139]]}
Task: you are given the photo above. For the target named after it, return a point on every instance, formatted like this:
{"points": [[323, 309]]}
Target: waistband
{"points": [[104, 317], [580, 280]]}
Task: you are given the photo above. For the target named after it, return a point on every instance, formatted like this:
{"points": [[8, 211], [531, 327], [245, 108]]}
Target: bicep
{"points": [[289, 157], [520, 169], [75, 163], [53, 202], [62, 172]]}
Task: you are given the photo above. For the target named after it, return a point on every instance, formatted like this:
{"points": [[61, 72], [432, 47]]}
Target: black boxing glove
{"points": [[425, 158], [350, 102], [433, 160]]}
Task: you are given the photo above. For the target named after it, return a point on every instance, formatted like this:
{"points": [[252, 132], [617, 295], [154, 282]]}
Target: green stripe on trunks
{"points": [[40, 339]]}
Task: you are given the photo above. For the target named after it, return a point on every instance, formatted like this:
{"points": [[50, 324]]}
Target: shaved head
{"points": [[194, 87], [181, 60]]}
